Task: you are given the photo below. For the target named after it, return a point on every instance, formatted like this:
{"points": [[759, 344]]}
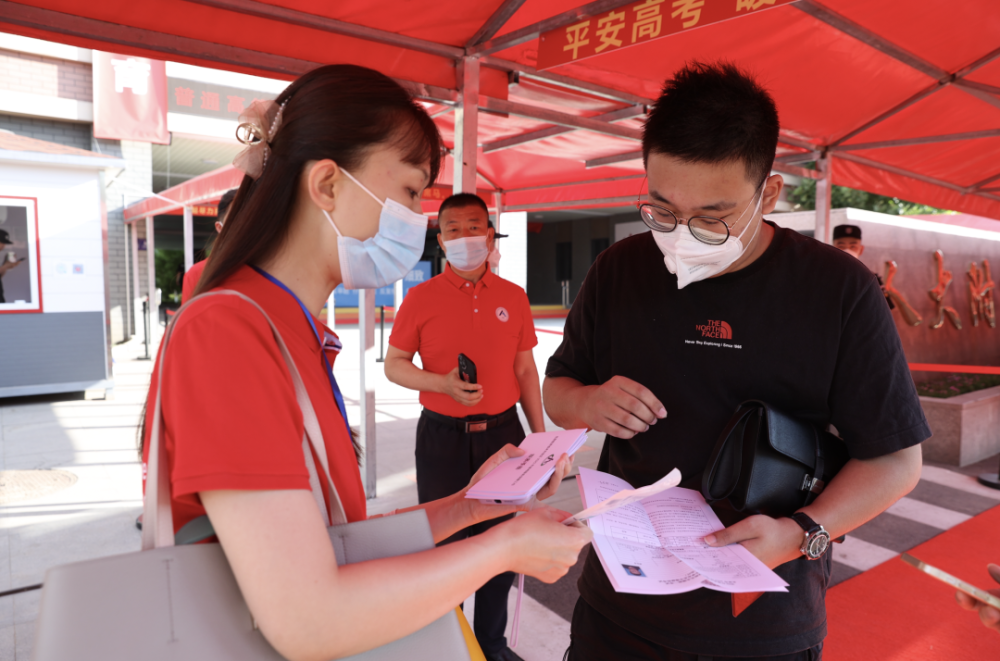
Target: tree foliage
{"points": [[803, 198], [169, 264]]}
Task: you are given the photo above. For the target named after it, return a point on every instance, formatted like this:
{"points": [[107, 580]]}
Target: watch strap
{"points": [[805, 522]]}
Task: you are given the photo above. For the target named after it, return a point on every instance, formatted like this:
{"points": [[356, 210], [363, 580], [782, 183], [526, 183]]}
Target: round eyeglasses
{"points": [[706, 229]]}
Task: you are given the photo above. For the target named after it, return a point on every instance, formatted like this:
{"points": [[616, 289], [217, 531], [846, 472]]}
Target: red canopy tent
{"points": [[885, 96]]}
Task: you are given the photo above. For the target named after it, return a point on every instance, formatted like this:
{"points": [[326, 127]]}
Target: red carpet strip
{"points": [[895, 613]]}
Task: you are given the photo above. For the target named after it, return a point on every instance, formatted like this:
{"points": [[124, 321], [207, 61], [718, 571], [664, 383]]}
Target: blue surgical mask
{"points": [[390, 254]]}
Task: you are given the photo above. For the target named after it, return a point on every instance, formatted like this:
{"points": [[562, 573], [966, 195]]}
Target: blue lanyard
{"points": [[322, 347]]}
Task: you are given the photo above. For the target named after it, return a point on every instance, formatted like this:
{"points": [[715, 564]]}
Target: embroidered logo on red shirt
{"points": [[716, 328], [502, 314]]}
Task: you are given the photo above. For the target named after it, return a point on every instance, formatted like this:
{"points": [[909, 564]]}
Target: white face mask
{"points": [[467, 253], [692, 260], [855, 251], [390, 254]]}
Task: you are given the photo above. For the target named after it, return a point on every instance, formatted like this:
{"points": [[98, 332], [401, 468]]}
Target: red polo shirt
{"points": [[229, 408], [191, 278], [489, 322]]}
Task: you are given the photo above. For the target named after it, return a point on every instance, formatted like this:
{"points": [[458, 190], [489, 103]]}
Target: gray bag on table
{"points": [[182, 603]]}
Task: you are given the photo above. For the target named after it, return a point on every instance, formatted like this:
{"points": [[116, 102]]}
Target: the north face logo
{"points": [[717, 329]]}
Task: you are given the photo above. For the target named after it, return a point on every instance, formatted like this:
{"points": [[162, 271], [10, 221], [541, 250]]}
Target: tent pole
{"points": [[188, 238], [136, 295], [366, 332], [154, 304], [823, 191], [466, 126]]}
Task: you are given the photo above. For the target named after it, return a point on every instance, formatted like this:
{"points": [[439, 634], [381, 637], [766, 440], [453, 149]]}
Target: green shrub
{"points": [[957, 384]]}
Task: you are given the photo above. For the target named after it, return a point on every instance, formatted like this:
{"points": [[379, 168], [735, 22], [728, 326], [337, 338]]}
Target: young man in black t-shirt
{"points": [[713, 307]]}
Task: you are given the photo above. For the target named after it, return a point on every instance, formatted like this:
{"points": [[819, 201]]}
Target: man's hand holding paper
{"points": [[657, 543]]}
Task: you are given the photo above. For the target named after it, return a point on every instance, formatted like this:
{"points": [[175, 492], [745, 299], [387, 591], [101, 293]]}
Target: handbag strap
{"points": [[158, 522]]}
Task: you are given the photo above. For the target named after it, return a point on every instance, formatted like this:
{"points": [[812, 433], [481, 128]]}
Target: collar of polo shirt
{"points": [[461, 282]]}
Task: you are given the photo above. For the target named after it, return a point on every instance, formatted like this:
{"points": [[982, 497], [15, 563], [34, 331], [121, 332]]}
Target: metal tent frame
{"points": [[568, 137]]}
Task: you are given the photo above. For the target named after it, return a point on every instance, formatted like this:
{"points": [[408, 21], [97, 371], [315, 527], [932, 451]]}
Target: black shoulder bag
{"points": [[767, 462]]}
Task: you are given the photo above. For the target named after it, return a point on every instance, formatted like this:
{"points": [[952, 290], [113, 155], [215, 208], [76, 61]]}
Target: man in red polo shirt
{"points": [[193, 275], [467, 309]]}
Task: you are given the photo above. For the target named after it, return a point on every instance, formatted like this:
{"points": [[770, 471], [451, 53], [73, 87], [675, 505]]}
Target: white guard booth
{"points": [[54, 303]]}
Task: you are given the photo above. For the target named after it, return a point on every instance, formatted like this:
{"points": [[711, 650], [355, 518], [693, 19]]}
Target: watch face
{"points": [[817, 544]]}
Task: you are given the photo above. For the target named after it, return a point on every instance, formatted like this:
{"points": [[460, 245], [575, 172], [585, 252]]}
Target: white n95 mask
{"points": [[692, 260], [390, 254], [467, 253]]}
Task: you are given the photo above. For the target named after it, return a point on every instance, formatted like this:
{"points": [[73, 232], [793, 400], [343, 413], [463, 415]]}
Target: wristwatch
{"points": [[817, 539]]}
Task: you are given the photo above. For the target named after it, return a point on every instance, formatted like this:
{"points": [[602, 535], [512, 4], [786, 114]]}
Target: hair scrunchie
{"points": [[258, 125]]}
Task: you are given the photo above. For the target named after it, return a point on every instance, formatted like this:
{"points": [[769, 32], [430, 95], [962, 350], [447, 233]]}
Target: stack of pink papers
{"points": [[516, 480]]}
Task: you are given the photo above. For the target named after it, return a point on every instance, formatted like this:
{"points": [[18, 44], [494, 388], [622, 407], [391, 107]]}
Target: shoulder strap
{"points": [[158, 522]]}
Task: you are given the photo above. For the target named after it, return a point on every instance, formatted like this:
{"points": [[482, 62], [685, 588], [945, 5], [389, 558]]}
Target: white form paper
{"points": [[627, 544], [682, 518], [627, 497], [656, 546]]}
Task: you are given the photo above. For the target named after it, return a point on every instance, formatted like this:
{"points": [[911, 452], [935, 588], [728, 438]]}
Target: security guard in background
{"points": [[6, 263], [848, 239], [470, 310]]}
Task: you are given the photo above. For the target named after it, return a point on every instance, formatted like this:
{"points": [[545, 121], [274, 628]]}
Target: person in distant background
{"points": [[190, 279], [5, 262], [494, 256], [848, 239]]}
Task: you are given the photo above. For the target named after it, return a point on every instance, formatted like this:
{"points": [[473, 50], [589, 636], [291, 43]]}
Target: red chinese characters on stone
{"points": [[911, 316], [937, 295], [981, 289]]}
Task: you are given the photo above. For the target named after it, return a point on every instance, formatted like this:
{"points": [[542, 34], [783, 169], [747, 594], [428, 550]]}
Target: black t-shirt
{"points": [[805, 327]]}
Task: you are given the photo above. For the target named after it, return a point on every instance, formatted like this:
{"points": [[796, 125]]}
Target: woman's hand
{"points": [[989, 616], [483, 512], [563, 467], [538, 544]]}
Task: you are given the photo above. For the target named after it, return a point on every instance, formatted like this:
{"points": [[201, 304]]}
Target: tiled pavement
{"points": [[94, 517]]}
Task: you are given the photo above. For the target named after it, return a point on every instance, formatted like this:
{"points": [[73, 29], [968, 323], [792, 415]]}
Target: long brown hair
{"points": [[338, 112]]}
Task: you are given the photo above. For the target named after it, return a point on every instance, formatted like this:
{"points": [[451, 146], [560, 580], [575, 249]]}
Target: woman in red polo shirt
{"points": [[332, 194]]}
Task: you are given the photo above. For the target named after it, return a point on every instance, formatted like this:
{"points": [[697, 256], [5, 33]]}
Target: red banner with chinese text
{"points": [[638, 23], [130, 98]]}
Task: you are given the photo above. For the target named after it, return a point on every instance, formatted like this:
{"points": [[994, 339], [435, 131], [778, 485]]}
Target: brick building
{"points": [[46, 93]]}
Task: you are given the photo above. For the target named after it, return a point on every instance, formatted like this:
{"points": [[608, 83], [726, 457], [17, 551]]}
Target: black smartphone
{"points": [[466, 368]]}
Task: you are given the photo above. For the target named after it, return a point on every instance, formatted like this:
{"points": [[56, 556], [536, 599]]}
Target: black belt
{"points": [[473, 424]]}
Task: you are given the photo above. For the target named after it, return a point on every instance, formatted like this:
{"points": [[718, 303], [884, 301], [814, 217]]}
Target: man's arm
{"points": [[620, 407], [863, 489], [399, 369], [531, 392]]}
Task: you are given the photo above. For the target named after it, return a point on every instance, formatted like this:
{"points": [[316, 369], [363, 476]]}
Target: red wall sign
{"points": [[638, 23], [130, 98]]}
